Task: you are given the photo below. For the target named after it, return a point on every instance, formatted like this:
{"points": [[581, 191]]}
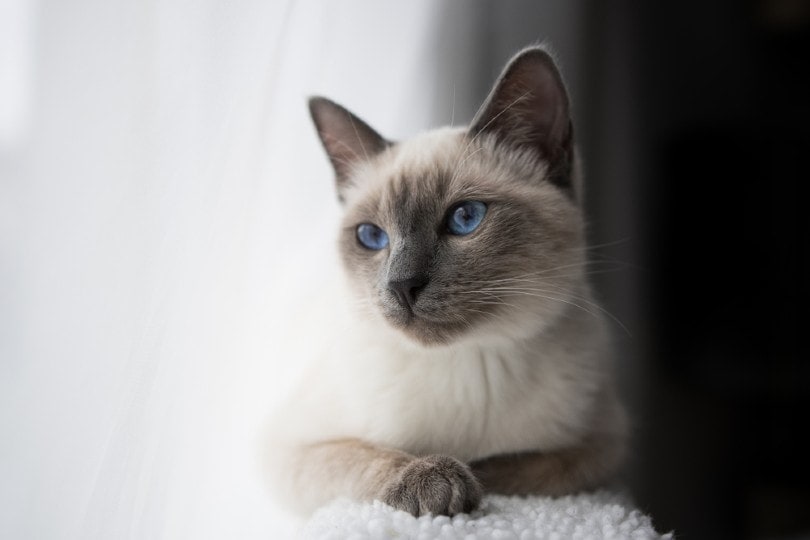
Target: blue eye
{"points": [[465, 217], [371, 236]]}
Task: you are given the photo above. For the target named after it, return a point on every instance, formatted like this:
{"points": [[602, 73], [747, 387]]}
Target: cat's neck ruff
{"points": [[474, 397]]}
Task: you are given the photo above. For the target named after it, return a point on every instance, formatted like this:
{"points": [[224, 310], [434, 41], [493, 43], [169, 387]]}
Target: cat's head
{"points": [[462, 233]]}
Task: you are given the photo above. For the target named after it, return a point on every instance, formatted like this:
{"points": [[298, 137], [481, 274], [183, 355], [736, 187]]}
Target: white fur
{"points": [[473, 399]]}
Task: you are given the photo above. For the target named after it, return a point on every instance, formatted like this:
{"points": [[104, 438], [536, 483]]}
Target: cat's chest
{"points": [[468, 403]]}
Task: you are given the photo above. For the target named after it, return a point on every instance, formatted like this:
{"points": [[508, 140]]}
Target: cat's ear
{"points": [[528, 108], [347, 139]]}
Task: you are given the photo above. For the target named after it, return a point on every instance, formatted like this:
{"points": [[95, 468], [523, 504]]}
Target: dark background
{"points": [[694, 124], [715, 98], [727, 146]]}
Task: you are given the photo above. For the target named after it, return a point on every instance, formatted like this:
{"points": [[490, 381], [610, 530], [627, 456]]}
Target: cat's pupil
{"points": [[466, 217]]}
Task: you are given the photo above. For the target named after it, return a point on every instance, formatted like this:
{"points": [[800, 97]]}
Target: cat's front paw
{"points": [[434, 485]]}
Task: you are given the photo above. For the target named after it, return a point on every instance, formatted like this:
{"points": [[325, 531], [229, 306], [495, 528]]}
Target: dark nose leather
{"points": [[406, 290]]}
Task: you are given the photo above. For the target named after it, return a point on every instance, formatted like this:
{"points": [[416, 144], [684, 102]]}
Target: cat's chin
{"points": [[424, 332]]}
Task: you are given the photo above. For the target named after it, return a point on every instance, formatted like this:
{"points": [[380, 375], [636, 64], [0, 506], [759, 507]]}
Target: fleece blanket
{"points": [[586, 516]]}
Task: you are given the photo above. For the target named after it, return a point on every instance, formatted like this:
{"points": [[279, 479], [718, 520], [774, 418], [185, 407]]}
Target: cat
{"points": [[464, 353]]}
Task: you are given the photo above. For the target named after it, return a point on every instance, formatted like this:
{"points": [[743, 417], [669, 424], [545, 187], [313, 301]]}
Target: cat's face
{"points": [[461, 233], [501, 275]]}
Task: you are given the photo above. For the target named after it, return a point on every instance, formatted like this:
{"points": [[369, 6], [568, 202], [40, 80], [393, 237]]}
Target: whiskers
{"points": [[499, 292], [575, 271], [467, 304]]}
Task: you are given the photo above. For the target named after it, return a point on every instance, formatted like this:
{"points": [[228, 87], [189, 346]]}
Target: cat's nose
{"points": [[406, 290]]}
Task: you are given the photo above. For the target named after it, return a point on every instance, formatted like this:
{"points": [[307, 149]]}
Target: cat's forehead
{"points": [[409, 177], [417, 163], [429, 170], [439, 148]]}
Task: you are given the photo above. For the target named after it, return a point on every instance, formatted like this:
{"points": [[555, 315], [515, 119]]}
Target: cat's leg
{"points": [[560, 472], [363, 471]]}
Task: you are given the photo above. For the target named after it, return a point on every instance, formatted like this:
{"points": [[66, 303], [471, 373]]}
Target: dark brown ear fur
{"points": [[528, 108], [346, 138]]}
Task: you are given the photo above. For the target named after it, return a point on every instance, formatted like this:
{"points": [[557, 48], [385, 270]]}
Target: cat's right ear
{"points": [[346, 138], [528, 108]]}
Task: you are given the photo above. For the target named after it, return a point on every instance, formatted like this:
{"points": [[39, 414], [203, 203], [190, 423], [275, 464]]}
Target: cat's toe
{"points": [[435, 485]]}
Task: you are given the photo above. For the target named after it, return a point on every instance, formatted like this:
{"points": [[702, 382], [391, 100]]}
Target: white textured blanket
{"points": [[585, 516]]}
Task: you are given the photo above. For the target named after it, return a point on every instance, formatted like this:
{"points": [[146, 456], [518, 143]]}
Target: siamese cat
{"points": [[465, 354]]}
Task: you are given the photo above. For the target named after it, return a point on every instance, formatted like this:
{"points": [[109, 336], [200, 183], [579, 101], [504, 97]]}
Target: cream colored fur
{"points": [[499, 374]]}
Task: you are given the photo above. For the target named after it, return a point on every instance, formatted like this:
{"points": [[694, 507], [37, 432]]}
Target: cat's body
{"points": [[465, 349]]}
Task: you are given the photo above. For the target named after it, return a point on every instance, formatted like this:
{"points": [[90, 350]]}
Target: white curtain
{"points": [[162, 198]]}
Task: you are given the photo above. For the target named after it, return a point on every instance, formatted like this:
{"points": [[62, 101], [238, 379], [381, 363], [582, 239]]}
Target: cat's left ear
{"points": [[345, 137], [528, 108]]}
